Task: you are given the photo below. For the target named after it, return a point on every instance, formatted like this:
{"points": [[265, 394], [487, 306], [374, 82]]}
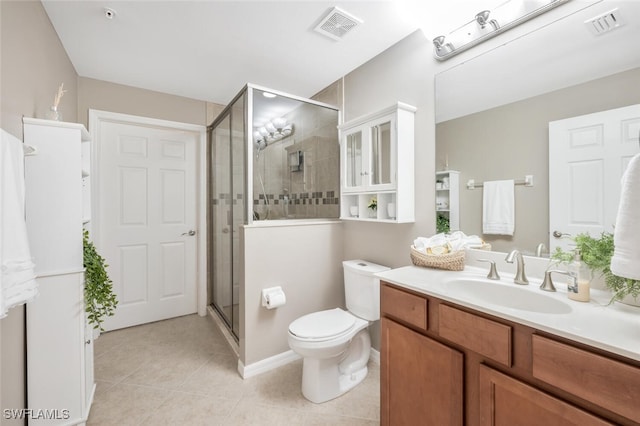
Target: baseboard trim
{"points": [[375, 356], [266, 364]]}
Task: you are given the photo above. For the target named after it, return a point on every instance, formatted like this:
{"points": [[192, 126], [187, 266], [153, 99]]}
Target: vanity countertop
{"points": [[612, 327]]}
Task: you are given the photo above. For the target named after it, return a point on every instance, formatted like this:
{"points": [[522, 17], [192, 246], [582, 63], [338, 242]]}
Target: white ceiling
{"points": [[210, 49]]}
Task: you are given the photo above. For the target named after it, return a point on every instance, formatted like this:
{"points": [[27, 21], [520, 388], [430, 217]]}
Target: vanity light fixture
{"points": [[489, 23], [272, 131]]}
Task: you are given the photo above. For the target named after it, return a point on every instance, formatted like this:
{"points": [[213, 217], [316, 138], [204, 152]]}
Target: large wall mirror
{"points": [[493, 111]]}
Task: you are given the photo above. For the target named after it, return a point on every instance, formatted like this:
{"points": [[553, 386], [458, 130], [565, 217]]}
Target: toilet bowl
{"points": [[335, 343]]}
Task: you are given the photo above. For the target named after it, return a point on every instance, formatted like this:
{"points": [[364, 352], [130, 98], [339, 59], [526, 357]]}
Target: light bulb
{"points": [[279, 122], [270, 127]]}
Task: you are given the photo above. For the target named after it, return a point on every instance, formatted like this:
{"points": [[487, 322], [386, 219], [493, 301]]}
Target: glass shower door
{"points": [[221, 272], [227, 211]]}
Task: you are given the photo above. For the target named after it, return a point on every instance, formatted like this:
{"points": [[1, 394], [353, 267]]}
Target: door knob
{"points": [[559, 234], [191, 233]]}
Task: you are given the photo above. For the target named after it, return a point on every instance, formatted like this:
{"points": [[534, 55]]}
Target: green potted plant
{"points": [[100, 301], [596, 253], [373, 206], [442, 224]]}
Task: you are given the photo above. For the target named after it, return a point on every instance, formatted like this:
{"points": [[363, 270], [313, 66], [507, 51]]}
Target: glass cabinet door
{"points": [[380, 154], [353, 155]]}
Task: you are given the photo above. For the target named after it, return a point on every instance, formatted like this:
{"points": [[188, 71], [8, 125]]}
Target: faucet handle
{"points": [[547, 283], [493, 272]]}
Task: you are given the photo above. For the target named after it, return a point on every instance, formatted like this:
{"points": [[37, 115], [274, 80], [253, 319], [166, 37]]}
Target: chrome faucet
{"points": [[520, 277], [541, 247]]}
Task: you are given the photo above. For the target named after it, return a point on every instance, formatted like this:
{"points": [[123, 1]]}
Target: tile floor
{"points": [[182, 372]]}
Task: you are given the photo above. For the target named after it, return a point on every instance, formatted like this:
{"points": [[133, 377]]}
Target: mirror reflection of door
{"points": [[587, 158]]}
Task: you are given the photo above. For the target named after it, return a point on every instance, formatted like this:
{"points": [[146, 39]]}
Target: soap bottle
{"points": [[579, 277]]}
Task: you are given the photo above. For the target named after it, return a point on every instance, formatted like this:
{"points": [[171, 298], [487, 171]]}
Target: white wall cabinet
{"points": [[59, 342], [448, 197], [377, 163]]}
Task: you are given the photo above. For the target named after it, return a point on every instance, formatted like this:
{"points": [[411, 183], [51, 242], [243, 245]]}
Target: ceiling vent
{"points": [[337, 23], [604, 23]]}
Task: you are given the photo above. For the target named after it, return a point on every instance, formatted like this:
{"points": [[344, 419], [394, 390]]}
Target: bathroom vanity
{"points": [[526, 357]]}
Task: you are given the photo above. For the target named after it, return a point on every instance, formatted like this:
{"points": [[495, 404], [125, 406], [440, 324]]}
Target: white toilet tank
{"points": [[362, 289]]}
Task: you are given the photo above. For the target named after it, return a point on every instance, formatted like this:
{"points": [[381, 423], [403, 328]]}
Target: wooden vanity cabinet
{"points": [[444, 364]]}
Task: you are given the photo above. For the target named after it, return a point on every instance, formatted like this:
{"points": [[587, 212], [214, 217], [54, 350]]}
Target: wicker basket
{"points": [[453, 261]]}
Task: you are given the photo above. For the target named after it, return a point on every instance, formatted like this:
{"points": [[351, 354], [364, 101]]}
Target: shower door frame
{"points": [[248, 89], [226, 113]]}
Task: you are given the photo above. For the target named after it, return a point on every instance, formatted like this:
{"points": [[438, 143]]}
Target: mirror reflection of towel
{"points": [[626, 257], [498, 207]]}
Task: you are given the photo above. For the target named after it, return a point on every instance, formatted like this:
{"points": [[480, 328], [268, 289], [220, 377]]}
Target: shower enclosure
{"points": [[272, 156]]}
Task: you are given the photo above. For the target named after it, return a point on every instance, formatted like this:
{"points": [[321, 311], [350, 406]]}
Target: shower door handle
{"points": [[191, 233]]}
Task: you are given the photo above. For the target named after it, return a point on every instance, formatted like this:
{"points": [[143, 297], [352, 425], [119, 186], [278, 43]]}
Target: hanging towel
{"points": [[498, 208], [17, 278], [626, 236]]}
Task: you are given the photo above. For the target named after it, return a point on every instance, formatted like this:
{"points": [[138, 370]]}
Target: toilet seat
{"points": [[323, 325]]}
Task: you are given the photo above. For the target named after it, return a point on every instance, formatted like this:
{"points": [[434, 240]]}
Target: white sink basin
{"points": [[506, 295]]}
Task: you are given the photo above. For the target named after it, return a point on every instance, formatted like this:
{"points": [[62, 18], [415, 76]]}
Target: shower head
{"points": [[259, 145]]}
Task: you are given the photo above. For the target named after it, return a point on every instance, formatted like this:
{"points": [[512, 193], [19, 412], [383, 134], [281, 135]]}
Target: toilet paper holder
{"points": [[273, 297]]}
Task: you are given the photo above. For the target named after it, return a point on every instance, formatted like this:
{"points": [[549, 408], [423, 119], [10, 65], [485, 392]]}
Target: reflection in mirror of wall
{"points": [[510, 139]]}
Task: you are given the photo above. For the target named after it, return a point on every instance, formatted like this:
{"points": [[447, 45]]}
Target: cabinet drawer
{"points": [[608, 383], [483, 336], [404, 306]]}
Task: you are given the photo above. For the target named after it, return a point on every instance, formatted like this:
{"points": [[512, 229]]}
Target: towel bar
{"points": [[527, 181]]}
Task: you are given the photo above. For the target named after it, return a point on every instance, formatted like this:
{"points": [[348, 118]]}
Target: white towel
{"points": [[498, 208], [626, 237], [17, 279], [458, 240]]}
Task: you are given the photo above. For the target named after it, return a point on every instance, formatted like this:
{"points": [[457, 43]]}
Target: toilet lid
{"points": [[323, 324]]}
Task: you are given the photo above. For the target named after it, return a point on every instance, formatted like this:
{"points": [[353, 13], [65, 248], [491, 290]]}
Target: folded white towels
{"points": [[457, 240], [17, 278], [498, 207], [626, 237]]}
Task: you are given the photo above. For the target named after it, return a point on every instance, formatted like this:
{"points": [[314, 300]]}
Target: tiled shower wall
{"points": [[312, 192]]}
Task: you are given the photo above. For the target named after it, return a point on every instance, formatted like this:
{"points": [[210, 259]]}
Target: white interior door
{"points": [[147, 220], [587, 158]]}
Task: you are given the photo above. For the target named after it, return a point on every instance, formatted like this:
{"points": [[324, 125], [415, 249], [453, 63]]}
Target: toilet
{"points": [[335, 343]]}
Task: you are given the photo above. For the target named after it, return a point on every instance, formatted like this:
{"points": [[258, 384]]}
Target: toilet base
{"points": [[329, 378]]}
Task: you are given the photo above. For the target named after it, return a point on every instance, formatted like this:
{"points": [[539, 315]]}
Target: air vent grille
{"points": [[604, 23], [337, 23]]}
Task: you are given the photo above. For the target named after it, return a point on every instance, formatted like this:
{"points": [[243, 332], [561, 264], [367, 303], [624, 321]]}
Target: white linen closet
{"points": [[59, 341]]}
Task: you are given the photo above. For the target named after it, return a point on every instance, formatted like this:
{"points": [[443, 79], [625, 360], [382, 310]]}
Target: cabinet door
{"points": [[507, 401], [421, 379]]}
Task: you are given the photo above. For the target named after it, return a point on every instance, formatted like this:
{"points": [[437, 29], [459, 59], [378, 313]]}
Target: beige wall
{"points": [[402, 73], [512, 141], [306, 260], [106, 96], [33, 65]]}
